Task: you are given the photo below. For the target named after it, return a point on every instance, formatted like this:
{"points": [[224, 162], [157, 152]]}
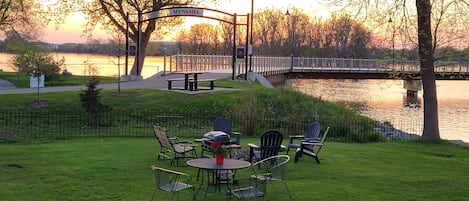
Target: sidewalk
{"points": [[157, 81], [6, 85]]}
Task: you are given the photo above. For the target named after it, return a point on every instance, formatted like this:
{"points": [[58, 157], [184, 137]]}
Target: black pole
{"points": [[246, 49], [138, 44], [292, 40], [233, 65], [126, 43], [250, 37]]}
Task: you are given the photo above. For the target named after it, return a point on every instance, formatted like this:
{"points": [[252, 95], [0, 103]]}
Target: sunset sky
{"points": [[72, 30]]}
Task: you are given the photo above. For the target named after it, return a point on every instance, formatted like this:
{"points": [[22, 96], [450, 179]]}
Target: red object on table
{"points": [[219, 159]]}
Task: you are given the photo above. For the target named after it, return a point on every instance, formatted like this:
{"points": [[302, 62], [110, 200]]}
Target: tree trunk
{"points": [[137, 70], [145, 36], [38, 94], [430, 126]]}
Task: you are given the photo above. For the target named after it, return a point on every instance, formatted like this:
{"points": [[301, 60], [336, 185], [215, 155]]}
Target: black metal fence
{"points": [[21, 125]]}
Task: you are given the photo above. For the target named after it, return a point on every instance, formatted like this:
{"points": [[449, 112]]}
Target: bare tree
{"points": [[203, 38], [226, 32], [272, 28], [112, 14]]}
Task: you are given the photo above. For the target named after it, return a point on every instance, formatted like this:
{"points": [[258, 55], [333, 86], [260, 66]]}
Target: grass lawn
{"points": [[119, 169]]}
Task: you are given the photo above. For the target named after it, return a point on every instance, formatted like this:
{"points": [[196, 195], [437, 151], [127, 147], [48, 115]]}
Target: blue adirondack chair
{"points": [[224, 124], [294, 141]]}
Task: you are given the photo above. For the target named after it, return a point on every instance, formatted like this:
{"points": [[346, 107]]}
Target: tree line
{"points": [[91, 47], [276, 34]]}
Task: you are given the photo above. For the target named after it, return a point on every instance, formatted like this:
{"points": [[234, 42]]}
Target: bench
{"points": [[170, 82], [193, 83]]}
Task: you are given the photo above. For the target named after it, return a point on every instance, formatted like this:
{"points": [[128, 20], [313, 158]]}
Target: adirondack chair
{"points": [[312, 133], [224, 124], [311, 147], [271, 144]]}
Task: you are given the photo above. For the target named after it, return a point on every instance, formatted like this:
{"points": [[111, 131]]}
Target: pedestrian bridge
{"points": [[318, 68]]}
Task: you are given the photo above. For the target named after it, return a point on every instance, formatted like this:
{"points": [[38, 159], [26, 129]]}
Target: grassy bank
{"points": [[119, 169], [252, 106]]}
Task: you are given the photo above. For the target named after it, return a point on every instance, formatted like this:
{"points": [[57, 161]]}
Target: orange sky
{"points": [[72, 30]]}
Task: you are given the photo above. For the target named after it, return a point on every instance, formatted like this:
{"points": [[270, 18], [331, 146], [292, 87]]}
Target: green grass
{"points": [[292, 110], [22, 81], [119, 169]]}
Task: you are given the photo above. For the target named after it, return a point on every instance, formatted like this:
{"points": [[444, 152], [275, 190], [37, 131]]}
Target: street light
{"points": [[250, 47], [292, 32], [393, 35]]}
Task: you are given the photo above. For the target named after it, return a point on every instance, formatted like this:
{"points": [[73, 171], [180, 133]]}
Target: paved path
{"points": [[157, 81], [6, 85]]}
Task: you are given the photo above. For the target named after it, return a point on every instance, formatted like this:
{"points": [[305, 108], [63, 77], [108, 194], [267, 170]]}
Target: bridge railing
{"points": [[269, 65], [199, 62]]}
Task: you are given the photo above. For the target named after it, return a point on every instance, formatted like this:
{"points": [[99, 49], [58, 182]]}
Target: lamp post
{"points": [[292, 33], [393, 35], [250, 48]]}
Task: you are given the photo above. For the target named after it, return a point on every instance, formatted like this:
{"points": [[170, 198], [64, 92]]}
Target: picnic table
{"points": [[190, 83]]}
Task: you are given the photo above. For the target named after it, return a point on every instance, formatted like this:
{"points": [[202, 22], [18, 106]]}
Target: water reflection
{"points": [[411, 100], [387, 100], [106, 65]]}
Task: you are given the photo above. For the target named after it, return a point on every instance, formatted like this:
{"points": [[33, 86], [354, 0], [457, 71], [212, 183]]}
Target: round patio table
{"points": [[217, 174]]}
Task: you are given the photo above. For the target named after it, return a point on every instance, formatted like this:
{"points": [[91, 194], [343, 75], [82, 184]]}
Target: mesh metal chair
{"points": [[168, 145], [171, 181], [247, 189], [271, 144], [264, 171], [312, 133], [311, 147], [272, 169]]}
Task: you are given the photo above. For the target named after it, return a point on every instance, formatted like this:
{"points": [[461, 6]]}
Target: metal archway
{"points": [[190, 12]]}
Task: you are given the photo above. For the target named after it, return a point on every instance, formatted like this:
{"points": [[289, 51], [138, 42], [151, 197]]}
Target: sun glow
{"points": [[72, 29]]}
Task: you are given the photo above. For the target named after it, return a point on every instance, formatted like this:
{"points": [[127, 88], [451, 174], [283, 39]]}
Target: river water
{"points": [[78, 64], [387, 100], [383, 100]]}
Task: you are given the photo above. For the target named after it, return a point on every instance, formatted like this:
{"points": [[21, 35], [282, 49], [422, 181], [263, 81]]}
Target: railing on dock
{"points": [[267, 65]]}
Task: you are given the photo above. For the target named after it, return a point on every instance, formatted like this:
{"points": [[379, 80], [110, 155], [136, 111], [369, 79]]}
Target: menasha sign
{"points": [[186, 12]]}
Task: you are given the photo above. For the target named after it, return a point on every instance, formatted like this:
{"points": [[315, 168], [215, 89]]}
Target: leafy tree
{"points": [[447, 54], [37, 63], [16, 43], [465, 54]]}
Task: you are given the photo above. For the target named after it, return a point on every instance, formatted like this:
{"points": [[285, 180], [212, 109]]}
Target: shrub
{"points": [[91, 102]]}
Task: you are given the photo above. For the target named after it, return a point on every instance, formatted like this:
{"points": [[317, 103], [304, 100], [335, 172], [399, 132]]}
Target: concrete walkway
{"points": [[6, 85], [157, 81]]}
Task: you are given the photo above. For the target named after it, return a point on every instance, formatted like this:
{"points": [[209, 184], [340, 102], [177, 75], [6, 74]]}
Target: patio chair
{"points": [[272, 170], [271, 144], [264, 171], [171, 181], [311, 147], [224, 124], [168, 145], [312, 133]]}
